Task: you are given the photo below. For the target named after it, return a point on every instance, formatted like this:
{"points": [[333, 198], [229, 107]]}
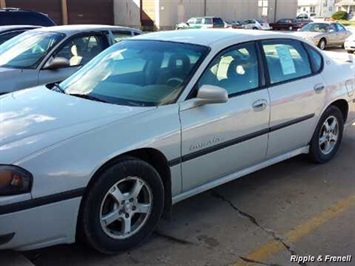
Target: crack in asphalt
{"points": [[252, 219], [174, 239]]}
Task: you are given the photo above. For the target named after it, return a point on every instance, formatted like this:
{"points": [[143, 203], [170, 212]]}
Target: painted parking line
{"points": [[265, 251]]}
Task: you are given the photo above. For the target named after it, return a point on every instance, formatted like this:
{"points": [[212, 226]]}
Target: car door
{"points": [[332, 35], [220, 139], [78, 50], [342, 33], [296, 86]]}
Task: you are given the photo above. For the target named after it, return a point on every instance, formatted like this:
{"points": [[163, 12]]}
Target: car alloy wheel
{"points": [[121, 206], [327, 136], [126, 207], [322, 44]]}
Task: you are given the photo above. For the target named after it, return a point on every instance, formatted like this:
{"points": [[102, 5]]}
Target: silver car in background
{"points": [[51, 54], [324, 34], [158, 118]]}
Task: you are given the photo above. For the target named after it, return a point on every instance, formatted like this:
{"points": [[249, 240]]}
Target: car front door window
{"points": [[79, 50]]}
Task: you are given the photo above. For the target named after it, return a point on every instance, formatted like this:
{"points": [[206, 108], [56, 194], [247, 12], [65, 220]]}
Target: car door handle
{"points": [[259, 105], [318, 88]]}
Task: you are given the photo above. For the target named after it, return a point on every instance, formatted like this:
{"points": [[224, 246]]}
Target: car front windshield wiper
{"points": [[58, 88], [88, 96]]}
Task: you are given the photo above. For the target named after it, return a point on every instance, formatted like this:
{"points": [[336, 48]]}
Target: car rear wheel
{"points": [[290, 28], [327, 136], [122, 207], [322, 44]]}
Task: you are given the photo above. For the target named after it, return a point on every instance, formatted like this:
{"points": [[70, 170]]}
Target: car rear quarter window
{"points": [[286, 60], [218, 21], [316, 58]]}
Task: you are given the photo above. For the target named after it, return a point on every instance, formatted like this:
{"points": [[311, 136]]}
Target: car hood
{"points": [[36, 118]]}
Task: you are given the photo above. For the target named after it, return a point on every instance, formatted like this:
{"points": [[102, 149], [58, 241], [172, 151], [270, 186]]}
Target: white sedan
{"points": [[51, 54], [156, 119]]}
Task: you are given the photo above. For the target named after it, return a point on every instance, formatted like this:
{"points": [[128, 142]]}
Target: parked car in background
{"points": [[51, 54], [201, 23], [234, 24], [8, 32], [324, 34], [72, 164], [349, 44], [286, 24], [16, 16], [256, 24], [306, 16]]}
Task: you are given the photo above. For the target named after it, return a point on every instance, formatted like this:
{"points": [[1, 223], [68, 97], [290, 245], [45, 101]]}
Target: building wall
{"points": [[175, 11], [127, 13], [167, 13]]}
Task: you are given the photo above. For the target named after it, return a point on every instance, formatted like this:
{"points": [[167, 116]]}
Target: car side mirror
{"points": [[208, 94], [57, 62]]}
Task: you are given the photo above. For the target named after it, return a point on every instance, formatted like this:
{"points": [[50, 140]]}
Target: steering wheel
{"points": [[37, 49], [174, 82]]}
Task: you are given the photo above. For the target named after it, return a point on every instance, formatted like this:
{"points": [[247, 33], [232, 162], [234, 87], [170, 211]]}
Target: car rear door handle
{"points": [[259, 105], [318, 88]]}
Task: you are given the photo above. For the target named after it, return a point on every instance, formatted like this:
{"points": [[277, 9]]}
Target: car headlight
{"points": [[14, 180]]}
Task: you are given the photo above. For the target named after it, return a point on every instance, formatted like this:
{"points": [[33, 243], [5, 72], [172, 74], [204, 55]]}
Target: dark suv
{"points": [[16, 16]]}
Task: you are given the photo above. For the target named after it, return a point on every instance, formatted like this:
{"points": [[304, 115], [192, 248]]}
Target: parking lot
{"points": [[271, 217]]}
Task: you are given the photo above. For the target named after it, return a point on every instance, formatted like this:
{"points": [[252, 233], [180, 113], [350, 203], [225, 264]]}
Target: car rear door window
{"points": [[122, 34], [286, 60], [207, 21]]}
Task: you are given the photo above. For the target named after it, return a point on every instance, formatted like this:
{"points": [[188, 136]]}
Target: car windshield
{"points": [[27, 49], [137, 73], [315, 27]]}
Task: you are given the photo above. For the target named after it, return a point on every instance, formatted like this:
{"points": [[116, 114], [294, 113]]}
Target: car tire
{"points": [[290, 28], [122, 207], [255, 28], [322, 44], [349, 52], [327, 136]]}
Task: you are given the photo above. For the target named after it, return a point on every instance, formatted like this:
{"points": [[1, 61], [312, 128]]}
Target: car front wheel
{"points": [[322, 44], [327, 136], [122, 207]]}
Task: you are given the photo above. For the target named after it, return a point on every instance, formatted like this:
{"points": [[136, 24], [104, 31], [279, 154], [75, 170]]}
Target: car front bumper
{"points": [[39, 227]]}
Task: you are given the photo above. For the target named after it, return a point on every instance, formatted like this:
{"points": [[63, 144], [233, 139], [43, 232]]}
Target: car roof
{"points": [[77, 28], [212, 37], [323, 22], [17, 27]]}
